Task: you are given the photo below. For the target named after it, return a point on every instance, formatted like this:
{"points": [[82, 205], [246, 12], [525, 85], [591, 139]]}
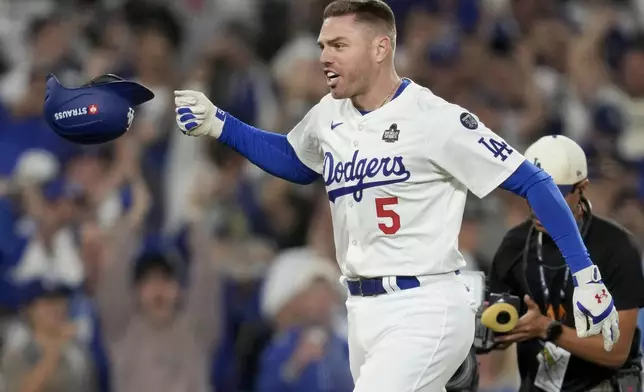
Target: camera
{"points": [[500, 315], [466, 378]]}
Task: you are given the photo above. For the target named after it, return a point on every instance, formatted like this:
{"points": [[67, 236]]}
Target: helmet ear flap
{"points": [[103, 79]]}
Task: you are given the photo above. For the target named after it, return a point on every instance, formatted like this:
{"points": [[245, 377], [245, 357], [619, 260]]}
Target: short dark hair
{"points": [[145, 17], [369, 11], [39, 23], [158, 262]]}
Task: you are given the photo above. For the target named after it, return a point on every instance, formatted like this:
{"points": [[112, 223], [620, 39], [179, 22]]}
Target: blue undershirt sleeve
{"points": [[550, 207], [271, 152]]}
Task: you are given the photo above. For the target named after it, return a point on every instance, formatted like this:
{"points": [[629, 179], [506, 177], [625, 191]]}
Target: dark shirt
{"points": [[619, 260]]}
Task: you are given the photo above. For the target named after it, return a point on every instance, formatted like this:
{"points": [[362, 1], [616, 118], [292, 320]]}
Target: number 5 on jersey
{"points": [[384, 212]]}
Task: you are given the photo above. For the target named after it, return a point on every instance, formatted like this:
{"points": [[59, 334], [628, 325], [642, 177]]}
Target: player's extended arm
{"points": [[272, 152], [535, 185], [594, 307]]}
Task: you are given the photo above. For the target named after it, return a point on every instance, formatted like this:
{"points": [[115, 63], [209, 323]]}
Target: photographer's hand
{"points": [[532, 325]]}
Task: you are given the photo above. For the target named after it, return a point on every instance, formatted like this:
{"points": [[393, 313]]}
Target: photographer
{"points": [[529, 265]]}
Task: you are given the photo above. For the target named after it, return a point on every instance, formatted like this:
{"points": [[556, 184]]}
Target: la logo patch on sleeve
{"points": [[469, 121]]}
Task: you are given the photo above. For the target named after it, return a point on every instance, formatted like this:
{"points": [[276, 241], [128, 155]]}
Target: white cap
{"points": [[291, 273], [560, 157], [36, 166]]}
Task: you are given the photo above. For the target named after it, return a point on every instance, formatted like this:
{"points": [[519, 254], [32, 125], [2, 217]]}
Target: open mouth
{"points": [[331, 78]]}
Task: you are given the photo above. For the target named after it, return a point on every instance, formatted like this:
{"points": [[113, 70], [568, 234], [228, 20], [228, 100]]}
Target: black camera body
{"points": [[466, 378], [499, 315]]}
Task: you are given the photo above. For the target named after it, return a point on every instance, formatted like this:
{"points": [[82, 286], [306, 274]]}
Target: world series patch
{"points": [[391, 134]]}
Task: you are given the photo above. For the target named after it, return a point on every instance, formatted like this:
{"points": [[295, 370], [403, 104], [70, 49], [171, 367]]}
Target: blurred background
{"points": [[167, 263]]}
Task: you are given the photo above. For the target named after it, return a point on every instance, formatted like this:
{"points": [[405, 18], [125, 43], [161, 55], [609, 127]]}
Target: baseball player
{"points": [[397, 162]]}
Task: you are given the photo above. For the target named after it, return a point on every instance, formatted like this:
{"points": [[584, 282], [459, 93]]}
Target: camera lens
{"points": [[503, 317]]}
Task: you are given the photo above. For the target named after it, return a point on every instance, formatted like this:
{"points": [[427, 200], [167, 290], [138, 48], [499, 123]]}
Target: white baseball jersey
{"points": [[397, 179]]}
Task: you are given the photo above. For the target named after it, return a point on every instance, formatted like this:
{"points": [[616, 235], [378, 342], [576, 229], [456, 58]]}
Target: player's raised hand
{"points": [[595, 311], [196, 115]]}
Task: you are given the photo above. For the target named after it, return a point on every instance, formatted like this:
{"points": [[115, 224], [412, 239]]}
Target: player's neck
{"points": [[382, 92]]}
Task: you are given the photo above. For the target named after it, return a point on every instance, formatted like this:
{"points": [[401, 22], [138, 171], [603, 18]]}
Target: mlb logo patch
{"points": [[92, 109], [469, 121], [391, 134]]}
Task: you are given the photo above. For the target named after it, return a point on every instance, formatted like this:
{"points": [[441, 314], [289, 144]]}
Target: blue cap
{"points": [[97, 112], [44, 288]]}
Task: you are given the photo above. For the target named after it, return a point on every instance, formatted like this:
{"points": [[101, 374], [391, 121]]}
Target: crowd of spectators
{"points": [[166, 263]]}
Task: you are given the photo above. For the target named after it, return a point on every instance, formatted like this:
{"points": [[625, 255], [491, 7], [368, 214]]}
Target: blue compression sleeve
{"points": [[551, 209], [269, 151]]}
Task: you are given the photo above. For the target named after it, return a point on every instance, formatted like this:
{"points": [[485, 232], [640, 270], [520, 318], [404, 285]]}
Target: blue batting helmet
{"points": [[97, 112]]}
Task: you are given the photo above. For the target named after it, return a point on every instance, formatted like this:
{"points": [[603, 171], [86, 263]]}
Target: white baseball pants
{"points": [[412, 340]]}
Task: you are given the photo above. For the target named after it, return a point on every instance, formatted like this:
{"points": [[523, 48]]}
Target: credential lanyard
{"points": [[542, 276]]}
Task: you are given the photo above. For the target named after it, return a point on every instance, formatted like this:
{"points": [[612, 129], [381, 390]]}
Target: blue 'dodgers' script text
{"points": [[391, 168]]}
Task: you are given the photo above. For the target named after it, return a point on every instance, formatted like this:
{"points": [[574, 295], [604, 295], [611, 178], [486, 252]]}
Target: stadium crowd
{"points": [[164, 263]]}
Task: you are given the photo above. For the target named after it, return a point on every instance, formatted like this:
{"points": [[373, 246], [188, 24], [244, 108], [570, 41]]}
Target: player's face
{"points": [[347, 55]]}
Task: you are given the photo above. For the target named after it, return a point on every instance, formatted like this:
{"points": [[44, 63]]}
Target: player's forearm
{"points": [[591, 349], [551, 209], [270, 151]]}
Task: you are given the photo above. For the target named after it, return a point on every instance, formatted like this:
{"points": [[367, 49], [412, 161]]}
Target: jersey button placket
{"points": [[353, 222], [354, 252]]}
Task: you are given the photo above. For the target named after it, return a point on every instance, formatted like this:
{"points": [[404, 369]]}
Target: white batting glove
{"points": [[196, 115], [595, 311]]}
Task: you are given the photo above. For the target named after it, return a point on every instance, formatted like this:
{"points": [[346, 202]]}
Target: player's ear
{"points": [[382, 47]]}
